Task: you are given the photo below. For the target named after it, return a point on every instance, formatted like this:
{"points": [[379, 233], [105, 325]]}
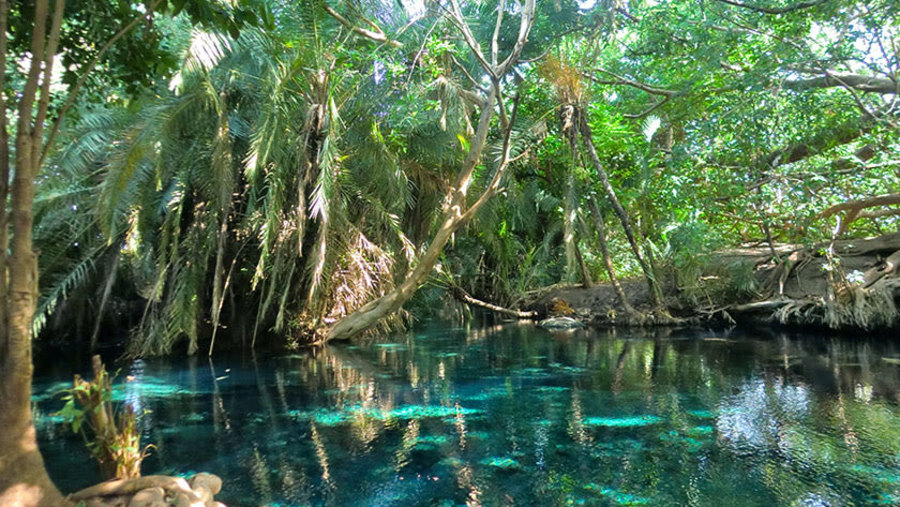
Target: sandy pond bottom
{"points": [[511, 414]]}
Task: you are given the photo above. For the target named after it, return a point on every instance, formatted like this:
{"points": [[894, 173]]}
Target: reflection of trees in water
{"points": [[540, 399]]}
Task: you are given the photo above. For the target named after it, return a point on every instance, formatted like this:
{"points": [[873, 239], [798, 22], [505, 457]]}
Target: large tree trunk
{"points": [[587, 138], [371, 313], [4, 176], [455, 215], [23, 477]]}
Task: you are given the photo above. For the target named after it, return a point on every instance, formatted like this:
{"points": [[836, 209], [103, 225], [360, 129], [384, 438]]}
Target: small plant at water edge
{"points": [[110, 434]]}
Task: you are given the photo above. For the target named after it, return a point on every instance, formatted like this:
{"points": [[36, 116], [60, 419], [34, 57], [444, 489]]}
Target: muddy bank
{"points": [[845, 285]]}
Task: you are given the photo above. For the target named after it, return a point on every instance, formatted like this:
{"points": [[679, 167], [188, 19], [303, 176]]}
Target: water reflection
{"points": [[511, 414]]}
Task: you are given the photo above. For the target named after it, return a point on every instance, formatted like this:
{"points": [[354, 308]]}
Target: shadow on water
{"points": [[511, 414]]}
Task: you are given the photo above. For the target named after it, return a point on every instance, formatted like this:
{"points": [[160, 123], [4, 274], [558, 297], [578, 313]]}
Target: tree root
{"points": [[132, 486]]}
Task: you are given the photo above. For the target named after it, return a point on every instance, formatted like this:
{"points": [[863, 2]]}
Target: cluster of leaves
{"points": [[281, 178]]}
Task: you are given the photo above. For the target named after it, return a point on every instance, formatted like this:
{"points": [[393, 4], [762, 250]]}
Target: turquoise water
{"points": [[514, 415]]}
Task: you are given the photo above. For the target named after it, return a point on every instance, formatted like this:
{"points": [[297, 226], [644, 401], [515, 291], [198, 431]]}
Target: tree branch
{"points": [[863, 83], [376, 34], [494, 45], [776, 10], [621, 80], [467, 298], [456, 16], [860, 204], [818, 142], [44, 99], [85, 72], [524, 29]]}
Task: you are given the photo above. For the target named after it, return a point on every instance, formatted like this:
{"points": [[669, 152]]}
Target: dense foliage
{"points": [[279, 174]]}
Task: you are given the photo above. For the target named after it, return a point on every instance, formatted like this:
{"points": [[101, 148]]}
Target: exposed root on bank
{"points": [[153, 490], [872, 307]]}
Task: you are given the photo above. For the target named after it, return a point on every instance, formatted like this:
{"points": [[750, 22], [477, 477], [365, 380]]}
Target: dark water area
{"points": [[511, 414]]}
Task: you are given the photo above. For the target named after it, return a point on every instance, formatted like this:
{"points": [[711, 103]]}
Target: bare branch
{"points": [[524, 28], [456, 16], [376, 34], [652, 108], [621, 80], [467, 298], [494, 44], [85, 72], [860, 204], [868, 84], [468, 76]]}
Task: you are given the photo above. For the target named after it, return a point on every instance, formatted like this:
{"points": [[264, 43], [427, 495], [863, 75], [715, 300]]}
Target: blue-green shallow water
{"points": [[517, 415]]}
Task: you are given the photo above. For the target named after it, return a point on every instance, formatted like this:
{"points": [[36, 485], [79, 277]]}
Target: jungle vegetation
{"points": [[182, 175]]}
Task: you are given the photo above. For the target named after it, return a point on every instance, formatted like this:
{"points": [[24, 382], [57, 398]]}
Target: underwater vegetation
{"points": [[333, 417], [518, 416], [623, 422]]}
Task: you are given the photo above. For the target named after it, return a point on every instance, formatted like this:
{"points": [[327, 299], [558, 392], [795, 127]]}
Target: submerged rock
{"points": [[560, 323]]}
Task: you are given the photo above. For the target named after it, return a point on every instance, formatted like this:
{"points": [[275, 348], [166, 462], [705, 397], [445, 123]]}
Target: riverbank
{"points": [[844, 285]]}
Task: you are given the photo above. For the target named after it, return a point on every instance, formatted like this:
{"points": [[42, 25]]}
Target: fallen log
{"points": [[759, 306], [467, 298]]}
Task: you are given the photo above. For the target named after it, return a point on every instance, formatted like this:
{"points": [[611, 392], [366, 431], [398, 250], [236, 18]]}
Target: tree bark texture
{"points": [[23, 477]]}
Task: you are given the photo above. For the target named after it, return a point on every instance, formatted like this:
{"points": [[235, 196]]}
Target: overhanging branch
{"points": [[776, 10], [860, 82]]}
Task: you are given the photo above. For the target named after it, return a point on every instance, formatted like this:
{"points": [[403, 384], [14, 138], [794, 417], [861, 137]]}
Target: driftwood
{"points": [[465, 297], [132, 486], [758, 306]]}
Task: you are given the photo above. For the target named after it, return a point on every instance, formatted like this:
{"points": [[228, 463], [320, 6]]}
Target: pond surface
{"points": [[511, 414]]}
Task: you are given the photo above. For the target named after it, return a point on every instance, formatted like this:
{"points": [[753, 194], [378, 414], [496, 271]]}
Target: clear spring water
{"points": [[511, 414]]}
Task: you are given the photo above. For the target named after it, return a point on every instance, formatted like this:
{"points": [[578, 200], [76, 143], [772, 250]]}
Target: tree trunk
{"points": [[582, 267], [456, 212], [604, 252], [586, 137], [569, 229], [23, 477], [4, 176], [371, 313]]}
